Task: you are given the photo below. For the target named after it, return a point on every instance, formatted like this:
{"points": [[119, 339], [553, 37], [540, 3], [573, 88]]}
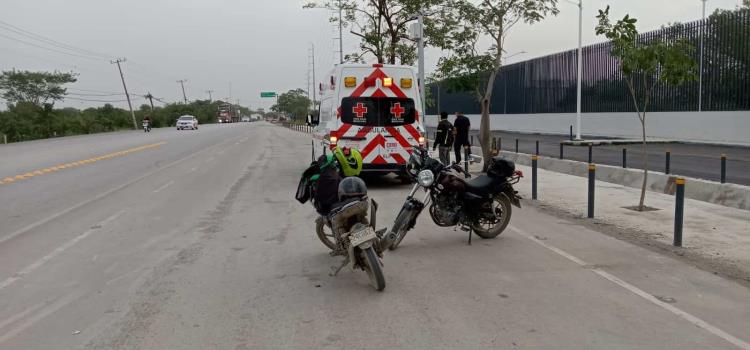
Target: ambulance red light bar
{"points": [[378, 65]]}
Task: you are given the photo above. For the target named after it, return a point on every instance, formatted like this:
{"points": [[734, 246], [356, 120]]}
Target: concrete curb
{"points": [[729, 195]]}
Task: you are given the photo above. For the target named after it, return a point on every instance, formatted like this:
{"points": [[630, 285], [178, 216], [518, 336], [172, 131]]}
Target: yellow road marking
{"points": [[55, 168]]}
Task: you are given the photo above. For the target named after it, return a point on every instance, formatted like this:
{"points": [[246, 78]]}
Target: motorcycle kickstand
{"points": [[335, 273]]}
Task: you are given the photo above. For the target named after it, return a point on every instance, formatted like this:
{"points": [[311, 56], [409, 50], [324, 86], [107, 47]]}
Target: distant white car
{"points": [[187, 122], [245, 119]]}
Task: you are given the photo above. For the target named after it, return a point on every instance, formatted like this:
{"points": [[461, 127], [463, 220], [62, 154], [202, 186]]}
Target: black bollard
{"points": [[668, 157], [537, 147], [590, 153], [562, 146], [723, 168], [466, 160], [679, 209], [592, 182], [624, 158], [571, 133], [534, 160], [516, 145]]}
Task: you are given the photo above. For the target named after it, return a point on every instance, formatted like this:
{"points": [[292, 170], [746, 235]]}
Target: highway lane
{"points": [[210, 250]]}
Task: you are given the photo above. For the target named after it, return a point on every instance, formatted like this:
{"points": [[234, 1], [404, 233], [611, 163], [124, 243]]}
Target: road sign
{"points": [[269, 94]]}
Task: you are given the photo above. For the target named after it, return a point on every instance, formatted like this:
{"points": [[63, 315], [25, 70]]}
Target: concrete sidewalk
{"points": [[715, 237]]}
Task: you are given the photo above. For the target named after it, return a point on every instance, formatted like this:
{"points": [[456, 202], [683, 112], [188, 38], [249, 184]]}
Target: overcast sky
{"points": [[250, 45]]}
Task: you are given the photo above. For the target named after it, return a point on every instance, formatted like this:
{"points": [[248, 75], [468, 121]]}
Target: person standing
{"points": [[461, 128], [444, 138]]}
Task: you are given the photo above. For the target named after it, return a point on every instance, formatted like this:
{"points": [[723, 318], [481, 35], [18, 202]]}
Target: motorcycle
{"points": [[353, 238], [146, 126], [481, 205], [346, 230]]}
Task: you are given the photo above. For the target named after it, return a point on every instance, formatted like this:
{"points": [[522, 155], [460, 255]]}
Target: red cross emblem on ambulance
{"points": [[360, 110], [397, 110]]}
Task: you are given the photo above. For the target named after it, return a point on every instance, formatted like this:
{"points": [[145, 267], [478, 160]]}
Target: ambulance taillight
{"points": [[421, 141], [333, 140]]}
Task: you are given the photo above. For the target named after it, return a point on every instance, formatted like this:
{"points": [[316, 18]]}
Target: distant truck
{"points": [[227, 113]]}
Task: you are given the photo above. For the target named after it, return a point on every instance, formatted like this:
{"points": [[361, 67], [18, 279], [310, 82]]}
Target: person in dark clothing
{"points": [[444, 138], [461, 128]]}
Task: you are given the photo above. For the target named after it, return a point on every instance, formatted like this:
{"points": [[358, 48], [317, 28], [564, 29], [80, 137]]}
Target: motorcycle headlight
{"points": [[425, 178]]}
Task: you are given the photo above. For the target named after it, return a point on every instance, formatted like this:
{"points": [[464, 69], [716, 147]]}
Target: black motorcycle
{"points": [[481, 205]]}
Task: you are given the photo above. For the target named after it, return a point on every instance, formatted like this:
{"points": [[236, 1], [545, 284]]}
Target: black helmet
{"points": [[352, 187]]}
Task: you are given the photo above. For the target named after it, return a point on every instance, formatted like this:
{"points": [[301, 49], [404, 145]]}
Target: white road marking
{"points": [[21, 315], [59, 250], [57, 305], [104, 194], [639, 292], [163, 187]]}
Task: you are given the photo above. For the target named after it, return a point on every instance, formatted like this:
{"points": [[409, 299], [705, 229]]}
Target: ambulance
{"points": [[373, 108]]}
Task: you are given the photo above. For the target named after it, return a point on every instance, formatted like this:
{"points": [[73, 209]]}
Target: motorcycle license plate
{"points": [[362, 236]]}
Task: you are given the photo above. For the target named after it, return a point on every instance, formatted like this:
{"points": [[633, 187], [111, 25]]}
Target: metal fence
{"points": [[548, 84]]}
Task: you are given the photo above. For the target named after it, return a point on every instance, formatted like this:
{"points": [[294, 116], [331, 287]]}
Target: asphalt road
{"points": [[691, 160], [192, 240]]}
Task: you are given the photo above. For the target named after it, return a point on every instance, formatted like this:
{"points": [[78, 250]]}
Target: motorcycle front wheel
{"points": [[325, 234], [371, 265], [399, 228], [488, 229]]}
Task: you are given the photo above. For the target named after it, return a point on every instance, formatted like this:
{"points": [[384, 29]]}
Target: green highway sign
{"points": [[265, 94]]}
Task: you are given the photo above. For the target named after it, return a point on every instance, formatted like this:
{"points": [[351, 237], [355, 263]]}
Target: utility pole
{"points": [[210, 97], [130, 105], [151, 101], [315, 90], [182, 83]]}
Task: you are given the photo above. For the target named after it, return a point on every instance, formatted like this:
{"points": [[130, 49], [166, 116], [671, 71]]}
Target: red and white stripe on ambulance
{"points": [[379, 145]]}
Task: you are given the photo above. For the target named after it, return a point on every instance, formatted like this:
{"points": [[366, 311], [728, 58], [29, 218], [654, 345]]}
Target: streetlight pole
{"points": [[420, 52], [341, 37], [700, 77], [580, 69]]}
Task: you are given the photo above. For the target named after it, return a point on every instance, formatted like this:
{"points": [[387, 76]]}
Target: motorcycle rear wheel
{"points": [[489, 230], [325, 234], [371, 265]]}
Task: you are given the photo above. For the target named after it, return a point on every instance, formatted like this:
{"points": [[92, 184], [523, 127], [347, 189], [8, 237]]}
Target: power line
{"points": [[50, 41], [94, 95], [50, 49], [95, 91], [93, 100]]}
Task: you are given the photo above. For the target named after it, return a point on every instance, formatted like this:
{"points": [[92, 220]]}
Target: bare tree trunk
{"points": [[484, 124], [644, 151]]}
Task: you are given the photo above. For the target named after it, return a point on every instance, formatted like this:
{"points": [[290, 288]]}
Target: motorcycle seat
{"points": [[480, 185]]}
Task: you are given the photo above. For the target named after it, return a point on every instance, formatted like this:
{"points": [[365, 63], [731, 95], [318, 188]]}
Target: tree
{"points": [[382, 26], [38, 88], [471, 68], [294, 103], [645, 65]]}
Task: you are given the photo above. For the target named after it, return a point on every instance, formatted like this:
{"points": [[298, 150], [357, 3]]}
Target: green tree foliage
{"points": [[37, 88], [472, 65], [382, 26], [25, 121], [293, 103], [645, 65]]}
